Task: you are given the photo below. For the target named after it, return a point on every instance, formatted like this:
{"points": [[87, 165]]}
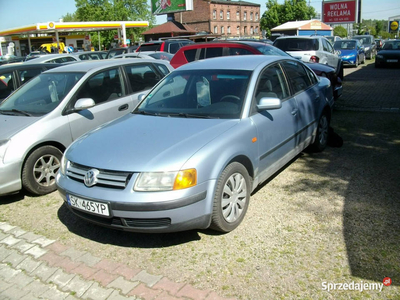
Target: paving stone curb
{"points": [[34, 267]]}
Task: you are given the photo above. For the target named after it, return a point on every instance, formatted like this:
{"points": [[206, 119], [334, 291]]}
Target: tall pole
{"points": [[359, 11]]}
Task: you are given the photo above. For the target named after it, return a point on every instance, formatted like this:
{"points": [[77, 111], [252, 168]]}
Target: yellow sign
{"points": [[394, 26]]}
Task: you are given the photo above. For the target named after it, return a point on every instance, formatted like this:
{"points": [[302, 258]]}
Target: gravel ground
{"points": [[331, 217]]}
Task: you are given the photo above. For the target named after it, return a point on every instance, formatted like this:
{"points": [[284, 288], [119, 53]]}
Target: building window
{"points": [[238, 31], [237, 15], [214, 14], [245, 15], [256, 30], [251, 30], [228, 15], [215, 29], [229, 29], [221, 14], [222, 30], [251, 16], [256, 16], [245, 30]]}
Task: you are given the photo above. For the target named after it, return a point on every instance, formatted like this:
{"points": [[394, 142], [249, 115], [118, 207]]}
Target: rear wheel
{"points": [[40, 169], [357, 62], [231, 198], [321, 140]]}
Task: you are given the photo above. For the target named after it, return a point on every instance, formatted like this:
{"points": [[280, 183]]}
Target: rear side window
{"points": [[238, 51], [297, 76], [297, 44], [26, 75], [141, 77], [210, 52], [174, 47], [190, 54]]}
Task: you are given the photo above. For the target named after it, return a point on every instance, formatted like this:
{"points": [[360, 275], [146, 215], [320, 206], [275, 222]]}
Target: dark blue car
{"points": [[351, 52]]}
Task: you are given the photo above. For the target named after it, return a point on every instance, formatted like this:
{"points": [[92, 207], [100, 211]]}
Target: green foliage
{"points": [[112, 10], [340, 31], [277, 14]]}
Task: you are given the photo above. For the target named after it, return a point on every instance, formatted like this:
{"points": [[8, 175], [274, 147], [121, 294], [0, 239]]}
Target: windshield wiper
{"points": [[21, 112], [143, 112], [185, 115]]}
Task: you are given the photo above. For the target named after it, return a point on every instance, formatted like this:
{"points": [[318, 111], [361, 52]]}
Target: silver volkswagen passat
{"points": [[191, 153], [40, 119]]}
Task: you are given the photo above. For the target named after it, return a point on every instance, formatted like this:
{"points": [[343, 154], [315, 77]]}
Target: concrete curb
{"points": [[34, 267]]}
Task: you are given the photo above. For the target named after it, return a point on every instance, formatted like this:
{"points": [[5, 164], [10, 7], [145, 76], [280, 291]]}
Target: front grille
{"points": [[105, 178], [147, 223]]}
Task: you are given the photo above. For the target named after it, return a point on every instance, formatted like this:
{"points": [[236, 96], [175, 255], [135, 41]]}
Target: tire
{"points": [[40, 169], [357, 62], [231, 198], [321, 140], [363, 61]]}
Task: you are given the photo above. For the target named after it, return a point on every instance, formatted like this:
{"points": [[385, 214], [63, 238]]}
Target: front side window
{"points": [[297, 75], [26, 75], [104, 86], [198, 94], [42, 94], [272, 83]]}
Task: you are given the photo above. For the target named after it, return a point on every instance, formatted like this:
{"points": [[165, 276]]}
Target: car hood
{"points": [[10, 125], [146, 143], [347, 52]]}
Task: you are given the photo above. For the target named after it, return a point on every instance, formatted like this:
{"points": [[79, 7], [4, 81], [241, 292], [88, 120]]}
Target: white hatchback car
{"points": [[315, 49]]}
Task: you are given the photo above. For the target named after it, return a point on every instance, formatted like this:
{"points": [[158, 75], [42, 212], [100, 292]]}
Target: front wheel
{"points": [[40, 169], [321, 140], [231, 198]]}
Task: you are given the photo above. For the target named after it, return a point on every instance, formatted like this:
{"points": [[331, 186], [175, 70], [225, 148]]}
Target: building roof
{"points": [[303, 25], [170, 27], [241, 3]]}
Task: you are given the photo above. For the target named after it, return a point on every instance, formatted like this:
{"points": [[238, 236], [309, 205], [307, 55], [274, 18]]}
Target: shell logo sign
{"points": [[50, 25], [394, 26]]}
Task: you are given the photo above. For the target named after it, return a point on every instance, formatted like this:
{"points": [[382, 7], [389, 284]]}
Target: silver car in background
{"points": [[191, 153], [40, 119]]}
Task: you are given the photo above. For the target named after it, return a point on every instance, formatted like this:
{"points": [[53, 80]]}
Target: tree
{"points": [[292, 10], [340, 31], [113, 10]]}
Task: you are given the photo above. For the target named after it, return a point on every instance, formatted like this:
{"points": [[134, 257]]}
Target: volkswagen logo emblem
{"points": [[90, 178]]}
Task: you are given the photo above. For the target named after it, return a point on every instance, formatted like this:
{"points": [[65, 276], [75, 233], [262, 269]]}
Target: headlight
{"points": [[366, 48], [166, 181], [64, 165], [3, 148]]}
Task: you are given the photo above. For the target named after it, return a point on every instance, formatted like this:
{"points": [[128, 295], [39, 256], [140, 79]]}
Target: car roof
{"points": [[49, 57], [86, 66], [233, 62], [23, 65], [222, 43], [300, 37]]}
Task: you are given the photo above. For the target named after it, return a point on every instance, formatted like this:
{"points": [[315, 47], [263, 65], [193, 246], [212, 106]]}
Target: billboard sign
{"points": [[393, 26], [162, 7], [339, 11]]}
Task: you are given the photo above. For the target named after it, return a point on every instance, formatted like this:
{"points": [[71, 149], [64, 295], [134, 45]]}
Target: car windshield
{"points": [[395, 45], [365, 40], [40, 95], [344, 45], [269, 50], [198, 94], [297, 44]]}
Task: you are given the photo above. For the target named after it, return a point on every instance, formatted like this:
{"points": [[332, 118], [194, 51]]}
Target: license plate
{"points": [[89, 206], [392, 60]]}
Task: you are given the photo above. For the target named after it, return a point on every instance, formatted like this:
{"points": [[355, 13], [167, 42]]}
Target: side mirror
{"points": [[269, 103], [84, 103]]}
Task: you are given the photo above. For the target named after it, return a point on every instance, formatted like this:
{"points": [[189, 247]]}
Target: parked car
{"points": [[7, 59], [200, 51], [368, 41], [91, 55], [351, 52], [53, 58], [56, 107], [147, 54], [170, 45], [192, 152], [121, 50], [315, 49], [12, 76], [389, 55]]}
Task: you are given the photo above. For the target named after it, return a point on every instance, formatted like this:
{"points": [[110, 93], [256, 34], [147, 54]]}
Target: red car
{"points": [[199, 51]]}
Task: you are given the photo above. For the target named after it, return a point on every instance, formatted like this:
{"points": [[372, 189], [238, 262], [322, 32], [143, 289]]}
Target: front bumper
{"points": [[10, 179], [170, 211]]}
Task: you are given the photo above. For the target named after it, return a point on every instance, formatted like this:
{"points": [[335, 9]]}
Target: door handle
{"points": [[123, 107], [294, 111]]}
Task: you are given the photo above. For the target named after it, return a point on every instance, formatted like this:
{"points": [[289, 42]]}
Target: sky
{"points": [[18, 13]]}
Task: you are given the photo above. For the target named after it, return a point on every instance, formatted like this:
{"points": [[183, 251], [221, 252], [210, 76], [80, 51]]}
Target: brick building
{"points": [[230, 19]]}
